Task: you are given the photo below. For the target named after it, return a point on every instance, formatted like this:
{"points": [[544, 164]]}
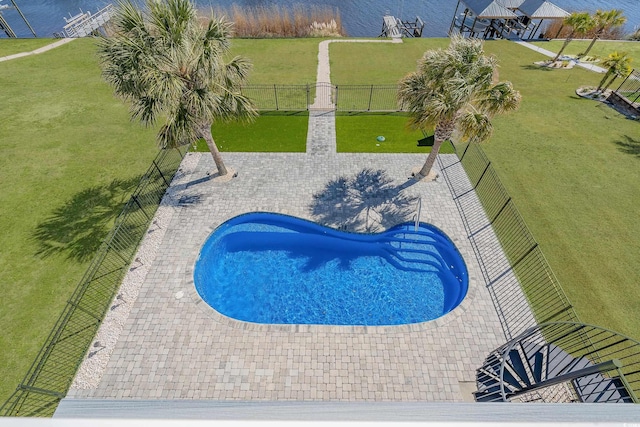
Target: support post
{"points": [[465, 151], [453, 21], [275, 94], [160, 172], [137, 202], [501, 209], [23, 18], [482, 176]]}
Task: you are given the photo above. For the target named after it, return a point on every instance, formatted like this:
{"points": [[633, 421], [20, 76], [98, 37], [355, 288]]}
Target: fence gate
{"points": [[324, 96]]}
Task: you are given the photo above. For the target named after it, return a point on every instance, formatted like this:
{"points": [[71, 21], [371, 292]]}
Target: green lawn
{"points": [[571, 165], [271, 132], [280, 61], [601, 49], [70, 157], [358, 133], [13, 46]]}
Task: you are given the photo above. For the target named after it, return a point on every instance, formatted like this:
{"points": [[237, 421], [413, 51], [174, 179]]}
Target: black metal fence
{"points": [[53, 370], [351, 98], [630, 87], [525, 268]]}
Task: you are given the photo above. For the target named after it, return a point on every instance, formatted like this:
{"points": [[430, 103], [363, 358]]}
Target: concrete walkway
{"points": [[586, 66], [37, 51]]}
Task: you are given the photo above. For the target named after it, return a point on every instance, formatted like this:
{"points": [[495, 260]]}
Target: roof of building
{"points": [[511, 4], [542, 9], [490, 9]]}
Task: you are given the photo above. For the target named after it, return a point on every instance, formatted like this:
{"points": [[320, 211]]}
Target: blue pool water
{"points": [[277, 269]]}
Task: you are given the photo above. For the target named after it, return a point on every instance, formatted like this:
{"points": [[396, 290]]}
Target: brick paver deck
{"points": [[181, 348], [174, 346]]}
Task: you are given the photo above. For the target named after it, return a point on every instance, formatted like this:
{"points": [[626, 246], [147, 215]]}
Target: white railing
{"points": [[84, 23]]}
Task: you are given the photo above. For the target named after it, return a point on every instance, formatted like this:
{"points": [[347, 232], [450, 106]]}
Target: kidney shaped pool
{"points": [[277, 269]]}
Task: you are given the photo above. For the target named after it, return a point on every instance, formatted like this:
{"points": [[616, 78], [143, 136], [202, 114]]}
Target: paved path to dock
{"points": [[585, 65], [37, 51], [174, 346]]}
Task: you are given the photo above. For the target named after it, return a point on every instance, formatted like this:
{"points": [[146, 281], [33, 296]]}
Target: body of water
{"points": [[361, 18]]}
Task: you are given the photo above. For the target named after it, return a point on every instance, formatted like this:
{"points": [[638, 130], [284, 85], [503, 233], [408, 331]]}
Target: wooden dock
{"points": [[396, 28], [85, 24]]}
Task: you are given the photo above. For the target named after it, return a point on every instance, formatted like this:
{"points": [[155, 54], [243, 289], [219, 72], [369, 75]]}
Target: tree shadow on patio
{"points": [[78, 227], [368, 202]]}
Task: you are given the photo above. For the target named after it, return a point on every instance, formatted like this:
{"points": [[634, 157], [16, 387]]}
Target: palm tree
{"points": [[580, 23], [604, 20], [618, 65], [171, 67], [455, 89]]}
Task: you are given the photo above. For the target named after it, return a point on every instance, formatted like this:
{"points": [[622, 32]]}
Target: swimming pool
{"points": [[277, 269]]}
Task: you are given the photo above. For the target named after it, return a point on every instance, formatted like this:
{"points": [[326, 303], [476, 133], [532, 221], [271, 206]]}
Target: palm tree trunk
{"points": [[604, 80], [441, 133], [564, 45], [596, 37], [205, 132], [613, 79], [431, 158]]}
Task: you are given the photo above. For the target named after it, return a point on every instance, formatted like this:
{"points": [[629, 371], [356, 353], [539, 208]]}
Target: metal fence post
{"points": [[308, 96], [625, 79], [137, 202], [501, 209], [370, 96], [465, 151], [482, 175], [160, 172], [275, 94]]}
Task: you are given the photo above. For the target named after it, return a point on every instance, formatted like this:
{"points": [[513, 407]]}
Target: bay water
{"points": [[360, 18]]}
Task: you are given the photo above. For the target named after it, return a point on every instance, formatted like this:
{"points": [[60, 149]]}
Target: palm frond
{"points": [[456, 87], [170, 67]]}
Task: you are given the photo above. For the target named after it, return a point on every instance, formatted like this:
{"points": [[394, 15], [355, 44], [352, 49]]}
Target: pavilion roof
{"points": [[488, 9], [511, 4], [542, 9]]}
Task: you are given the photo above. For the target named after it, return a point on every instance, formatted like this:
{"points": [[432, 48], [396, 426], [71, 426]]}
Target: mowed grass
{"points": [[70, 158], [279, 61], [601, 49], [573, 168], [12, 46], [571, 165]]}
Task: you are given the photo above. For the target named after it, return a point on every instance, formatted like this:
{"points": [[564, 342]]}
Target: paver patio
{"points": [[181, 348]]}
